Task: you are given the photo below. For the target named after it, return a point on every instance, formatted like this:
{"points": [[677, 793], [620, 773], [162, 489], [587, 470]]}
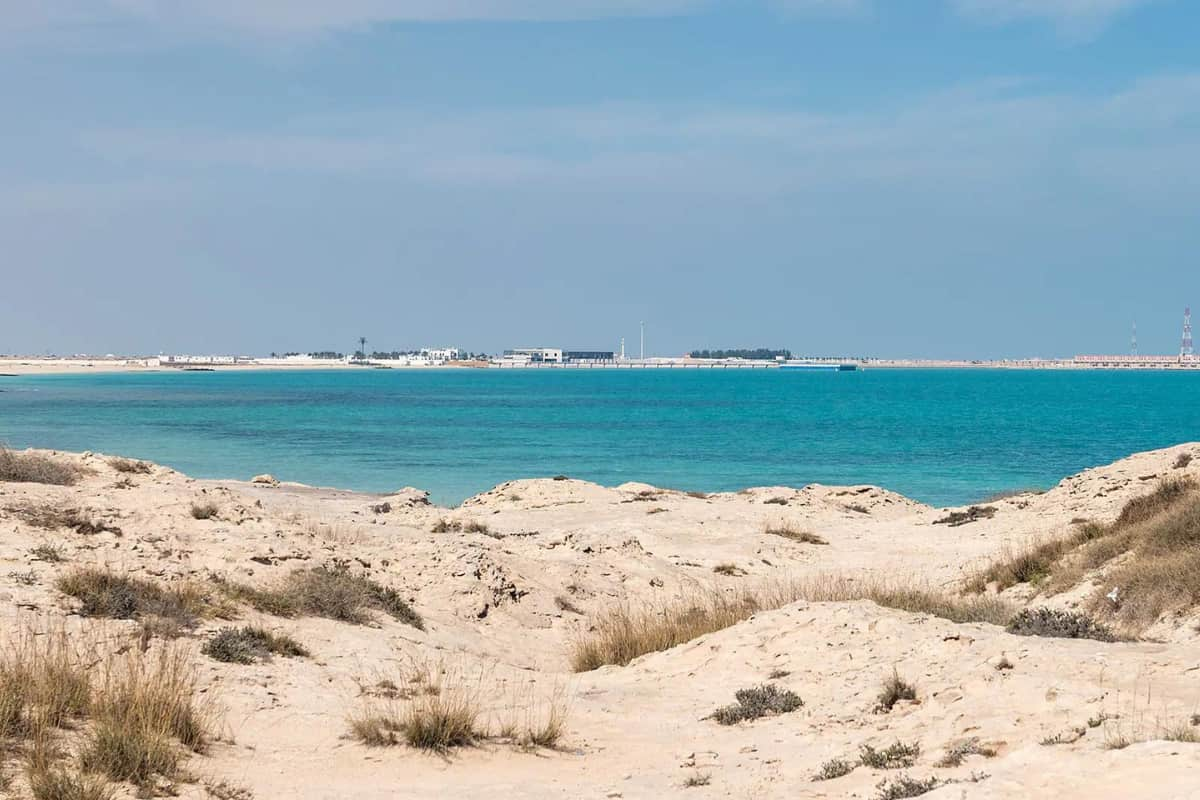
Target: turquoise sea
{"points": [[942, 436]]}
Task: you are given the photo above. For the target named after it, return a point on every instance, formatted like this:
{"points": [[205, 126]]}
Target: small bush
{"points": [[834, 768], [33, 468], [329, 591], [894, 690], [759, 701], [205, 510], [957, 518], [106, 594], [958, 752], [51, 554], [447, 526], [477, 527], [776, 501], [697, 779], [131, 466], [1059, 624], [249, 644], [894, 756], [729, 570], [905, 787], [1183, 460], [787, 531]]}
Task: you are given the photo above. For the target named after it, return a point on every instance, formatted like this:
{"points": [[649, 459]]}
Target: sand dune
{"points": [[513, 577]]}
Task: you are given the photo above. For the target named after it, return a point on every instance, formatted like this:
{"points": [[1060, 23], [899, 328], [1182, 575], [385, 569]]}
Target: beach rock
{"points": [[266, 479]]}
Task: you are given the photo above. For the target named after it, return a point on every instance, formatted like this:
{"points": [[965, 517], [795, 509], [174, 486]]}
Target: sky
{"points": [[894, 178]]}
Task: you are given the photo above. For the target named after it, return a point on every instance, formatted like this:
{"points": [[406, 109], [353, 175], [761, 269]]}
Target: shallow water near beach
{"points": [[940, 436]]}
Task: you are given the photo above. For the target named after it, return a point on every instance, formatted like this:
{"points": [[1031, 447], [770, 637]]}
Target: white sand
{"points": [[638, 731]]}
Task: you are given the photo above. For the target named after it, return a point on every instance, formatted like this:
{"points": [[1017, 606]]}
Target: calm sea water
{"points": [[942, 436]]}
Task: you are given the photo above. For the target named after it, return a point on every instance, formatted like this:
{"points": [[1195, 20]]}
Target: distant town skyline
{"points": [[935, 178]]}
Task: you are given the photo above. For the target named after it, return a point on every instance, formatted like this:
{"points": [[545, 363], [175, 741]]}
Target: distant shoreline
{"points": [[23, 367]]}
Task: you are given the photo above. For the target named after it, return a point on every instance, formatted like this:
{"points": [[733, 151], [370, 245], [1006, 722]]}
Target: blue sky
{"points": [[959, 178]]}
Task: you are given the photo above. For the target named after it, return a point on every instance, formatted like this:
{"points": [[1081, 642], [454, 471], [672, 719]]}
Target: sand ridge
{"points": [[516, 573]]}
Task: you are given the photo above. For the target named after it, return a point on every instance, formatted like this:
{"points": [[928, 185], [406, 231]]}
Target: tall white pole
{"points": [[643, 341]]}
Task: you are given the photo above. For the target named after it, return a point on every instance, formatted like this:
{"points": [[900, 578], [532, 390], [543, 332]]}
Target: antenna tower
{"points": [[1185, 348]]}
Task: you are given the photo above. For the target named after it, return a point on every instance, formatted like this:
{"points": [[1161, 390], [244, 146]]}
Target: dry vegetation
{"points": [[440, 709], [104, 593], [126, 718], [894, 690], [249, 644], [957, 518], [756, 702], [330, 591], [792, 533], [130, 466], [34, 468], [203, 510], [1150, 554], [895, 756], [625, 631], [53, 517], [1059, 624]]}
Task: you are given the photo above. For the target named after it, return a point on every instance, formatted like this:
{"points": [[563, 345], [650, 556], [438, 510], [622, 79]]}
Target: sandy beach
{"points": [[508, 585]]}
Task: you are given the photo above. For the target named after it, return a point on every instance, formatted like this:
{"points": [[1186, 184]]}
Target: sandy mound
{"points": [[508, 582]]}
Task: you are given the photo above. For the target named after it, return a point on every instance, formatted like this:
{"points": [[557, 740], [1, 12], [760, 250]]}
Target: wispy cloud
{"points": [[315, 17], [1001, 132], [1076, 16]]}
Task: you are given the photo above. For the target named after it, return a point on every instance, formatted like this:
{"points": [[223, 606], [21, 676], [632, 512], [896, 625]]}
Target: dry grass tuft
{"points": [[34, 468], [440, 709], [130, 717], [447, 526], [1168, 492], [104, 593], [249, 644], [331, 591], [1182, 460], [146, 715], [52, 517], [788, 531], [697, 779], [972, 514], [894, 690], [1151, 554], [204, 510], [59, 783], [130, 466], [624, 632], [729, 570]]}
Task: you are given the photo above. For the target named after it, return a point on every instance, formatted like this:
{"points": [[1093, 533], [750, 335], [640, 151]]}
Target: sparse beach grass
{"points": [[331, 590], [1156, 536], [442, 708], [626, 631], [34, 468], [128, 717], [104, 593]]}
